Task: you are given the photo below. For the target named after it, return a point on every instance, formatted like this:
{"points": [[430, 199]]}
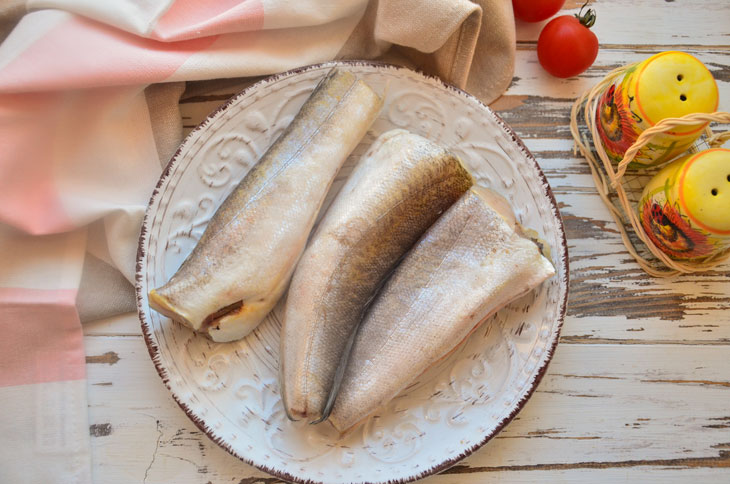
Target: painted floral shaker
{"points": [[667, 85], [685, 208]]}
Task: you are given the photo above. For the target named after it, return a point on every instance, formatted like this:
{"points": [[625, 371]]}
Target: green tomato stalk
{"points": [[587, 19]]}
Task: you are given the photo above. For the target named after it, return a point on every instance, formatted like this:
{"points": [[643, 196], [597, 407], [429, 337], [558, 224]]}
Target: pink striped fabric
{"points": [[78, 146], [41, 340], [42, 372], [105, 56], [190, 19], [29, 199]]}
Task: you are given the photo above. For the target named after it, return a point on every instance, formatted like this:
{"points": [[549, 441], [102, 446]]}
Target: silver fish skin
{"points": [[471, 262], [399, 188], [243, 262]]}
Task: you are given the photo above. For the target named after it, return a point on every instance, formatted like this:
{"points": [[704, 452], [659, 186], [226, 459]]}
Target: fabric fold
{"points": [[89, 116]]}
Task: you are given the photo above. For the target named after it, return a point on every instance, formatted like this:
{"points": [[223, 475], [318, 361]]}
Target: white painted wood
{"points": [[609, 405], [532, 80], [633, 474], [649, 22]]}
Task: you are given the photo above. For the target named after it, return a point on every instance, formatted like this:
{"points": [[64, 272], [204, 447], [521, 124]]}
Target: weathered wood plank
{"points": [[537, 98], [530, 81], [599, 407], [629, 471], [658, 22]]}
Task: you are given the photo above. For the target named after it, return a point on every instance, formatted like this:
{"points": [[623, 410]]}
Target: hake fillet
{"points": [[244, 260], [469, 264], [396, 192]]}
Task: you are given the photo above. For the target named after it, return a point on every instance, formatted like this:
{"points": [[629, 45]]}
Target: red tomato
{"points": [[536, 10], [566, 47]]}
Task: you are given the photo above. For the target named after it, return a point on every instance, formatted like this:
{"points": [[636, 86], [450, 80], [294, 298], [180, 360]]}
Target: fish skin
{"points": [[396, 192], [471, 262], [245, 258]]}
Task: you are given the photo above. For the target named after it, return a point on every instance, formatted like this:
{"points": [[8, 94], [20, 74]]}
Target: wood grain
{"points": [[652, 22], [599, 406]]}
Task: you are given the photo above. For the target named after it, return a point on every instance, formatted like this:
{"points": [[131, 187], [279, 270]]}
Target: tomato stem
{"points": [[587, 19]]}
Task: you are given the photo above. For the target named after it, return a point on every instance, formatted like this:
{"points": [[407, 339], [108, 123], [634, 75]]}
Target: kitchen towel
{"points": [[89, 115]]}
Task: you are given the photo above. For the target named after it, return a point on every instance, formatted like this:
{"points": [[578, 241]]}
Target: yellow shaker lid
{"points": [[673, 84], [704, 190]]}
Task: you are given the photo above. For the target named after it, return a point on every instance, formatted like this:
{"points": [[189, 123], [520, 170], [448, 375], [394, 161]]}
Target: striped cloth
{"points": [[85, 127]]}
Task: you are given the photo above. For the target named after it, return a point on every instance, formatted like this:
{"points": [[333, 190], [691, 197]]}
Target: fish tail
{"points": [[163, 305]]}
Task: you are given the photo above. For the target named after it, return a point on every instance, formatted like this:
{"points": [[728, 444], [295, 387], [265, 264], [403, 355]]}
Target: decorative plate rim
{"points": [[154, 350]]}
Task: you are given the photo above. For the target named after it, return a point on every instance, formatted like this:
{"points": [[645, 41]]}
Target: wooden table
{"points": [[639, 388]]}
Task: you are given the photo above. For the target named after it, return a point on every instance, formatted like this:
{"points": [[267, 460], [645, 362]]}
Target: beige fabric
{"points": [[11, 11], [165, 118], [494, 59], [468, 44], [103, 291]]}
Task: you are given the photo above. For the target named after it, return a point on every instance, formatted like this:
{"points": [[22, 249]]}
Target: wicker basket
{"points": [[621, 189]]}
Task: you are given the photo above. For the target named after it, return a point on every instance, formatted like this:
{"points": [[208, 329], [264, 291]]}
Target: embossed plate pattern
{"points": [[231, 391]]}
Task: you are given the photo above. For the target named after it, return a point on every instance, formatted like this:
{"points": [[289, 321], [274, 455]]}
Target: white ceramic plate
{"points": [[231, 391]]}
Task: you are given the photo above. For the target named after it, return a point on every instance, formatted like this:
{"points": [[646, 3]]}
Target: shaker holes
{"points": [[714, 192], [682, 97], [680, 77]]}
